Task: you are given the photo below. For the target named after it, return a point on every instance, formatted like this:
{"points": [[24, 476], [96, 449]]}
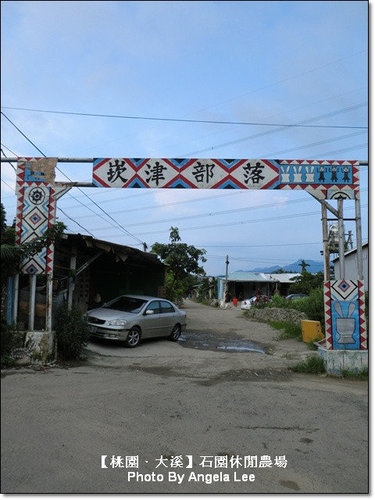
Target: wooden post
{"points": [[32, 301]]}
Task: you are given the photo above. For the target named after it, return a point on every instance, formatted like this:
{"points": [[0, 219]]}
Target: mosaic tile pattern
{"points": [[325, 179], [36, 209], [344, 307]]}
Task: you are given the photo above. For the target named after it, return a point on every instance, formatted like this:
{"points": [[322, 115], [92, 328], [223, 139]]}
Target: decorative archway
{"points": [[37, 195]]}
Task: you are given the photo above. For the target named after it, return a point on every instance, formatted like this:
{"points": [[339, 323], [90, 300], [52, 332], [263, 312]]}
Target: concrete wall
{"points": [[337, 361]]}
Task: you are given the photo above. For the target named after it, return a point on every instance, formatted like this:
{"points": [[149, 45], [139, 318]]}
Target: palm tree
{"points": [[303, 265]]}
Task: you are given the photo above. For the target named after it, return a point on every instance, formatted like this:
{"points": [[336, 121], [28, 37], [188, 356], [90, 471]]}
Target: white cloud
{"points": [[280, 62]]}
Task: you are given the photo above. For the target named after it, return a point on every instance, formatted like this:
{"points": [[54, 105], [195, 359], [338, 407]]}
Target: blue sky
{"points": [[275, 63]]}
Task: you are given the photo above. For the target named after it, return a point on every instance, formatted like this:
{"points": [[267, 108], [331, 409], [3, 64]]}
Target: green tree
{"points": [[306, 282], [207, 289], [184, 264], [303, 264], [3, 220], [12, 254]]}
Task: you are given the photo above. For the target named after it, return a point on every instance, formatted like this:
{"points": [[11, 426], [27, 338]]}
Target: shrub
{"points": [[6, 338], [11, 339], [290, 330], [278, 301], [312, 306], [72, 333], [261, 301]]}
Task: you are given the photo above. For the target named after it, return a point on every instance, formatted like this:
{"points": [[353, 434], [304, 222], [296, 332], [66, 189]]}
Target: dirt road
{"points": [[205, 363], [163, 418]]}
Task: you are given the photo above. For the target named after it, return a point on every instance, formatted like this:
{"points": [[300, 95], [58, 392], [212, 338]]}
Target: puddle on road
{"points": [[211, 342]]}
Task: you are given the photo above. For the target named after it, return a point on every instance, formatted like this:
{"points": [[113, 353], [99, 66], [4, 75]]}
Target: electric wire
{"points": [[6, 147], [92, 201], [184, 120], [62, 211], [188, 121], [280, 128], [210, 214], [218, 213], [76, 222]]}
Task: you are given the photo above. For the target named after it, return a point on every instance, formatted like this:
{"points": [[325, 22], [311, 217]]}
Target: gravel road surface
{"points": [[165, 418]]}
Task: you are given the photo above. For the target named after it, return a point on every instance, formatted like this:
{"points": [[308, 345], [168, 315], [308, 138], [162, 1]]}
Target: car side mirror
{"points": [[149, 311]]}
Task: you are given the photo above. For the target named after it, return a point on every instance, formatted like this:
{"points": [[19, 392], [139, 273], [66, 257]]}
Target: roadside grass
{"points": [[355, 375], [313, 364], [289, 330]]}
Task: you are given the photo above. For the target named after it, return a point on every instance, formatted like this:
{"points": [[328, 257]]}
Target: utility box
{"points": [[311, 330]]}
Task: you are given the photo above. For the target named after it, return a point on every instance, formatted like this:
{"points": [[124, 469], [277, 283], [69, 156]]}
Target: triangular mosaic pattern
{"points": [[36, 209], [345, 320], [325, 179]]}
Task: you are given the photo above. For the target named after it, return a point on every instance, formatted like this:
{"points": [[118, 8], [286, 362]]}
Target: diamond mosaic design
{"points": [[344, 290], [324, 178], [345, 315], [36, 209]]}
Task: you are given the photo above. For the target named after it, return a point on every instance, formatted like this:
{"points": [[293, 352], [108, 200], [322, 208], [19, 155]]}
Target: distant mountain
{"points": [[314, 267]]}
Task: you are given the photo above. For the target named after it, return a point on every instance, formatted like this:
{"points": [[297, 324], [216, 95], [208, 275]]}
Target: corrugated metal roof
{"points": [[284, 277], [349, 252], [260, 277], [247, 276], [120, 252]]}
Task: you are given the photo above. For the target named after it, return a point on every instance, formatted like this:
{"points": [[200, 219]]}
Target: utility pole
{"points": [[226, 276], [349, 242], [325, 243]]}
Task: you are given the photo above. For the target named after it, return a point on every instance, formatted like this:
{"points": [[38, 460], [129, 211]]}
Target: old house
{"points": [[245, 284], [87, 271]]}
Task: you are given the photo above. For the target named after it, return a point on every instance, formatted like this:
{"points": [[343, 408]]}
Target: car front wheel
{"points": [[176, 332], [134, 337]]}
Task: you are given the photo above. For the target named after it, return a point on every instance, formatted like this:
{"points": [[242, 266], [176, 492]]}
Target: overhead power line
{"points": [[92, 201], [23, 135], [281, 128], [182, 120], [303, 124]]}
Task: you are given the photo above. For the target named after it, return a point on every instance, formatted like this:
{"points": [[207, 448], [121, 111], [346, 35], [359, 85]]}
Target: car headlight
{"points": [[116, 322]]}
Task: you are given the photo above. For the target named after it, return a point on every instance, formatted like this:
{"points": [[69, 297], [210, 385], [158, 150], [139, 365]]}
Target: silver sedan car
{"points": [[130, 318]]}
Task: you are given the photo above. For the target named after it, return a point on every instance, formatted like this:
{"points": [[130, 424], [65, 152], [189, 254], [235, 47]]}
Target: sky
{"points": [[202, 79]]}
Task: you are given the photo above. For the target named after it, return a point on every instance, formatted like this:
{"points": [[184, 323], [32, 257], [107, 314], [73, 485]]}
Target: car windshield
{"points": [[126, 304]]}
